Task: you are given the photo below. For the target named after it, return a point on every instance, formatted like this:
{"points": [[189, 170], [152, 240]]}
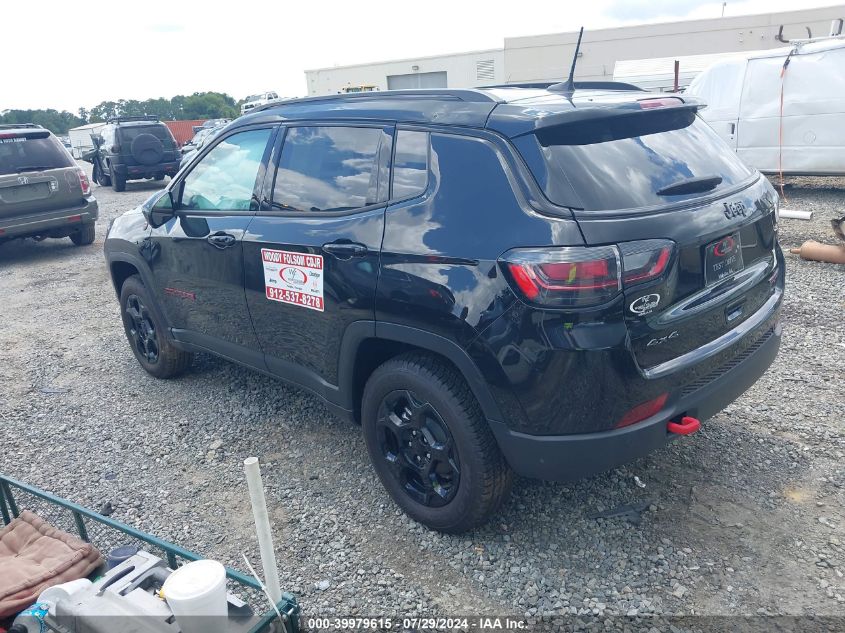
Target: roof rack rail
{"points": [[122, 119], [579, 85], [433, 93], [9, 126]]}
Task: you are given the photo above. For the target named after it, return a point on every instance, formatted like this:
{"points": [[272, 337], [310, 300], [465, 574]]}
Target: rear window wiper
{"points": [[31, 168], [699, 184]]}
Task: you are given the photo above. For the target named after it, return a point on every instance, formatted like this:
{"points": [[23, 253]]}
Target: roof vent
{"points": [[485, 69]]}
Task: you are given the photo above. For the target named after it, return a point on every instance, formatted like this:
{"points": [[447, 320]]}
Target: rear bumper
{"points": [[131, 172], [55, 222], [569, 457]]}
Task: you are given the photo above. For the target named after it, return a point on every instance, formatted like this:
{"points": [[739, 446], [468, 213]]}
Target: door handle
{"points": [[221, 240], [345, 250], [733, 127]]}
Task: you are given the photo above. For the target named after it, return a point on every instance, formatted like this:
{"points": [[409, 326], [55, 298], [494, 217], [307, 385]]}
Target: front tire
{"points": [[430, 445], [146, 334], [84, 236]]}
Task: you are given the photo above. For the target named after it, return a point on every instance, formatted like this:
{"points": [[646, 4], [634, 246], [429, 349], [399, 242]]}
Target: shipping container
{"points": [[183, 131], [80, 138]]}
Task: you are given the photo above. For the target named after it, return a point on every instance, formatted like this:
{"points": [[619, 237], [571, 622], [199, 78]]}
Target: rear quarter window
{"points": [[600, 167], [32, 152]]}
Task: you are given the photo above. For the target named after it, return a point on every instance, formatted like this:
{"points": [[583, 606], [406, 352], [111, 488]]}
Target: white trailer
{"points": [[781, 118], [80, 138]]}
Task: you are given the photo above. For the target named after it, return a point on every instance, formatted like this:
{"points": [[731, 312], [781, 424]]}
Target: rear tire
{"points": [[147, 335], [159, 176], [85, 235], [430, 445], [118, 182]]}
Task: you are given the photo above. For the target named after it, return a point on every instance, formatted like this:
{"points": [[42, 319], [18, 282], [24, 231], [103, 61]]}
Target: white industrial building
{"points": [[543, 58]]}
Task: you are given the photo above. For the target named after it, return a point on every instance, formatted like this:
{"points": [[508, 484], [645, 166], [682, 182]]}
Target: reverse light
{"points": [[645, 260], [84, 183], [569, 276], [643, 411]]}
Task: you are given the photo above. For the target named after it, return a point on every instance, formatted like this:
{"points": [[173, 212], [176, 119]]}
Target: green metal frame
{"points": [[9, 510]]}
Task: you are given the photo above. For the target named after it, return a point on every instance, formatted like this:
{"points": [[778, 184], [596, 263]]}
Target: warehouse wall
{"points": [[463, 70], [548, 57]]}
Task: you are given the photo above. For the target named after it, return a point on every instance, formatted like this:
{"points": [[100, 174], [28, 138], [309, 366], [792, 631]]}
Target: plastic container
{"points": [[51, 595], [120, 554], [196, 593]]}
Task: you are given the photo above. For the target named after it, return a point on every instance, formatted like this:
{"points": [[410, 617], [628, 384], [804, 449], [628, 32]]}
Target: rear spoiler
{"points": [[618, 120]]}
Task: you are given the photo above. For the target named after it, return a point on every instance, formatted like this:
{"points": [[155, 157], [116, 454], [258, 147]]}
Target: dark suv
{"points": [[513, 279], [43, 192], [134, 148]]}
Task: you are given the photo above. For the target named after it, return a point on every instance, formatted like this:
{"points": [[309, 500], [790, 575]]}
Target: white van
{"points": [[743, 97]]}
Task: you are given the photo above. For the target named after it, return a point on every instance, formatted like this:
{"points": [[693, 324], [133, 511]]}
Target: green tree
{"points": [[55, 121]]}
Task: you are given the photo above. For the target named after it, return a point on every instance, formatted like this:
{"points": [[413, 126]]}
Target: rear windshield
{"points": [[602, 165], [33, 152], [161, 132]]}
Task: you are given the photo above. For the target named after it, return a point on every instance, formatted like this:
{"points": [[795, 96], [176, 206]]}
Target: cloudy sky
{"points": [[65, 55]]}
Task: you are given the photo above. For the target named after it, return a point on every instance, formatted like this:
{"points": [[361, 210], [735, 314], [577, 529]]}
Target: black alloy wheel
{"points": [[141, 329], [418, 448]]}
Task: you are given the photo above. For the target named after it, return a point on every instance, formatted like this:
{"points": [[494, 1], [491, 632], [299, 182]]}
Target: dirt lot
{"points": [[746, 517]]}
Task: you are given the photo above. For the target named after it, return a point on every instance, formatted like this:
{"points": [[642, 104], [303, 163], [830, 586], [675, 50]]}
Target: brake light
{"points": [[643, 411], [567, 276], [645, 260], [660, 102], [83, 183]]}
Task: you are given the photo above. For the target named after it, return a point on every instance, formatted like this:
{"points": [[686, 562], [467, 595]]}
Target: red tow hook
{"points": [[687, 426]]}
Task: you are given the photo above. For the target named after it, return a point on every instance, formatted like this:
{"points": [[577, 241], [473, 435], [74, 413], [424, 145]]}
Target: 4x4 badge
{"points": [[645, 304]]}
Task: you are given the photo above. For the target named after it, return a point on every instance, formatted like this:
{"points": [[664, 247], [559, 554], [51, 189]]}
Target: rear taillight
{"points": [[115, 149], [83, 183], [569, 276], [645, 260], [579, 276]]}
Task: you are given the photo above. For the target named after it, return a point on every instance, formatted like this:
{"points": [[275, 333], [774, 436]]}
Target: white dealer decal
{"points": [[295, 278]]}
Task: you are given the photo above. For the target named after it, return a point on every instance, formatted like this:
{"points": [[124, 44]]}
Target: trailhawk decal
{"points": [[295, 278], [645, 304]]}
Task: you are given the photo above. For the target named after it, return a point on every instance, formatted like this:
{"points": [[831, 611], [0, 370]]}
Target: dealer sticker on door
{"points": [[294, 278]]}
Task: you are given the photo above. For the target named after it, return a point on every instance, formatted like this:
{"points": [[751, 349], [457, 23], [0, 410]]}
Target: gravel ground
{"points": [[745, 517]]}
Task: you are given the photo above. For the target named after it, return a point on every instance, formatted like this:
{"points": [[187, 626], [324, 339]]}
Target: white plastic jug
{"points": [[196, 593]]}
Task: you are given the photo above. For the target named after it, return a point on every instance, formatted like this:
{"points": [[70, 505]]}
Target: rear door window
{"points": [[327, 169], [599, 166], [35, 151]]}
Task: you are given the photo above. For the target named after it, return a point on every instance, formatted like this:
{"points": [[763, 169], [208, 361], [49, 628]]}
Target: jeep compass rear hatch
{"points": [[36, 174], [694, 228]]}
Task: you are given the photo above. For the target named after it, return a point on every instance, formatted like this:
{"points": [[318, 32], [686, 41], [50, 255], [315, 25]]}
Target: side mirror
{"points": [[159, 209]]}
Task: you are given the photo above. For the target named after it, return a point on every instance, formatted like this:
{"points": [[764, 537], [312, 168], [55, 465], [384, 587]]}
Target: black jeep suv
{"points": [[133, 148], [512, 279], [43, 192]]}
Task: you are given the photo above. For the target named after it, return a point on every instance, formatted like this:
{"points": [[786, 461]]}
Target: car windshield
{"points": [[32, 152], [252, 98], [601, 166], [130, 133]]}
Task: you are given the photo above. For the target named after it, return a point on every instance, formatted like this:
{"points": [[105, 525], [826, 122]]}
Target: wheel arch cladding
{"points": [[120, 272], [372, 351]]}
